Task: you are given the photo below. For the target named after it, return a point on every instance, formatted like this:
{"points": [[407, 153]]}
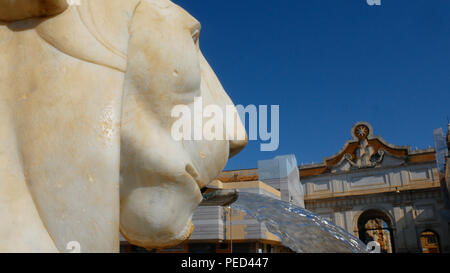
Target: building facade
{"points": [[380, 192], [375, 190]]}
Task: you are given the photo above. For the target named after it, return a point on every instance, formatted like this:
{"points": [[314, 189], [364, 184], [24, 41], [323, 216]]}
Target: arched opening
{"points": [[375, 225], [430, 242]]}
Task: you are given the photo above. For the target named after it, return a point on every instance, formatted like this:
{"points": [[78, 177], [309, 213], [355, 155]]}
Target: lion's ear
{"points": [[12, 10]]}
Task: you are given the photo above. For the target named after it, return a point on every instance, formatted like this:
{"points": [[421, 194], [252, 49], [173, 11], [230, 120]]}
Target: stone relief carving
{"points": [[365, 155]]}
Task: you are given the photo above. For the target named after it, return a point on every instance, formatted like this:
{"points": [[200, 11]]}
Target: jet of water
{"points": [[298, 228]]}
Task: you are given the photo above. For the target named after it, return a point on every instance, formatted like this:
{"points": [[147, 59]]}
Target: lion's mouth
{"points": [[193, 173]]}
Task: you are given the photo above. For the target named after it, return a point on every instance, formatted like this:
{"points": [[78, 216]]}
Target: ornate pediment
{"points": [[366, 151]]}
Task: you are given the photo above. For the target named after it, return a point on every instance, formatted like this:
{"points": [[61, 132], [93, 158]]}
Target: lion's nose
{"points": [[236, 146]]}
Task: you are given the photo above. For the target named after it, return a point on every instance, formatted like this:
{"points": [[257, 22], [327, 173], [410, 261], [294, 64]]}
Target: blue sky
{"points": [[329, 64]]}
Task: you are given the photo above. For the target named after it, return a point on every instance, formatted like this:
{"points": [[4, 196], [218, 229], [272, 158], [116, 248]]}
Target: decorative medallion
{"points": [[361, 131]]}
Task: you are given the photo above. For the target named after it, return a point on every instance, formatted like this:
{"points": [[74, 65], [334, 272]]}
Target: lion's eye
{"points": [[196, 35], [195, 31]]}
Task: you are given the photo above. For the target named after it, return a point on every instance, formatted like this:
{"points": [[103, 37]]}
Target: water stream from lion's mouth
{"points": [[299, 229]]}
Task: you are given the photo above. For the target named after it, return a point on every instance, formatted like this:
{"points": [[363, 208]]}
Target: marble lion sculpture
{"points": [[86, 152]]}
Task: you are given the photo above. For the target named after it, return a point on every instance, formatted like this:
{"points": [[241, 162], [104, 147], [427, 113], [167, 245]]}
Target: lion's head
{"points": [[110, 72], [162, 177]]}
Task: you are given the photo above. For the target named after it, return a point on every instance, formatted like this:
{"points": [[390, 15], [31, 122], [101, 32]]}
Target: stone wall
{"points": [[409, 195]]}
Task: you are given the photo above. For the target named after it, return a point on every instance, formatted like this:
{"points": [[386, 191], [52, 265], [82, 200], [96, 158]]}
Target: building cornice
{"points": [[396, 197]]}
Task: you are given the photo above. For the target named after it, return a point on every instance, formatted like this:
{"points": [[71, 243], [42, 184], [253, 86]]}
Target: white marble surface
{"points": [[85, 109]]}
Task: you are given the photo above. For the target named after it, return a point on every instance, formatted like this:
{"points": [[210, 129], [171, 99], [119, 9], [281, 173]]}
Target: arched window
{"points": [[374, 225], [430, 242]]}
